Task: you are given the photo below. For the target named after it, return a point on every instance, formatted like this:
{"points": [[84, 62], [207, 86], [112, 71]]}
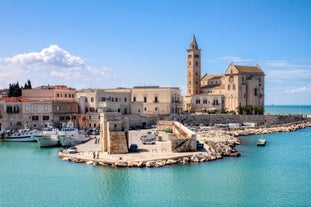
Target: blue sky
{"points": [[108, 44]]}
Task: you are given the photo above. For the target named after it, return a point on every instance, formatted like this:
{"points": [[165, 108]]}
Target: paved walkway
{"points": [[160, 150]]}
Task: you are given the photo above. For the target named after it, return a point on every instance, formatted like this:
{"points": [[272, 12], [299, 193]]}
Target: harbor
{"points": [[218, 143]]}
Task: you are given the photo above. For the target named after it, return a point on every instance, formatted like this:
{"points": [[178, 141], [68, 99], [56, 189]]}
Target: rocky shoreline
{"points": [[218, 144], [291, 127]]}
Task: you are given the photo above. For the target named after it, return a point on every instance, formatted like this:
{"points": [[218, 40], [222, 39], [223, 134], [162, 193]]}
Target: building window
{"points": [[65, 95], [112, 99], [125, 99], [119, 110], [92, 99], [134, 99], [204, 101], [197, 101], [233, 87], [189, 82], [215, 102], [156, 99], [26, 108], [9, 109], [228, 87], [103, 99], [15, 109], [242, 79], [57, 95], [35, 118], [156, 109], [145, 99], [255, 92], [145, 109], [34, 108], [196, 63], [197, 56], [189, 62], [46, 108], [45, 118]]}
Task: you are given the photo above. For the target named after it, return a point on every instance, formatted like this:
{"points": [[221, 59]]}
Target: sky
{"points": [[127, 43]]}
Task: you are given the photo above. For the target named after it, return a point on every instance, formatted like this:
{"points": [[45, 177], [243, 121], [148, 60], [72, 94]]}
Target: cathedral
{"points": [[239, 90]]}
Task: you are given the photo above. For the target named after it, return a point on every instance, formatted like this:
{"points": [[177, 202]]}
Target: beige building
{"points": [[16, 113], [144, 101], [154, 100], [59, 92], [239, 87]]}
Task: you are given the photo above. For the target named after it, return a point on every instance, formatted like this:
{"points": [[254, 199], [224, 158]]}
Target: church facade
{"points": [[240, 89]]}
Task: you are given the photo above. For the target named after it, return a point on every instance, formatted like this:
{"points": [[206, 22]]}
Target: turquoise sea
{"points": [[288, 109], [275, 175]]}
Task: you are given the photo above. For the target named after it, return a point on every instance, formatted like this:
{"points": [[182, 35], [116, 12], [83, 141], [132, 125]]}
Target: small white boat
{"points": [[23, 135], [261, 142], [70, 136]]}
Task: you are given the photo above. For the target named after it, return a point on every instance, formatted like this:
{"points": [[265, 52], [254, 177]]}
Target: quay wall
{"points": [[212, 119]]}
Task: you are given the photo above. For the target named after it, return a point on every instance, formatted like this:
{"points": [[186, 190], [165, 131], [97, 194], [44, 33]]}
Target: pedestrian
{"points": [[98, 155], [95, 140], [93, 154]]}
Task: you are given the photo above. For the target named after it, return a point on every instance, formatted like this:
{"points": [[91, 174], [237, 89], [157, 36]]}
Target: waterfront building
{"points": [[17, 112], [155, 100], [140, 100], [58, 92], [238, 87]]}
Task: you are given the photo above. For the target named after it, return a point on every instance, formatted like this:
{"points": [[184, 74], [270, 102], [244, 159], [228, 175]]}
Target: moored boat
{"points": [[23, 135], [47, 140], [70, 136], [261, 142], [48, 137]]}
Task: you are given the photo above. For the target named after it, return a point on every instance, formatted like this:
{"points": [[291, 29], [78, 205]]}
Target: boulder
{"points": [[150, 164], [170, 162], [121, 164]]}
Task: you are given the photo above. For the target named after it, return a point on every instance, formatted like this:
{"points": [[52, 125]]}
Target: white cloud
{"points": [[53, 56], [51, 65], [303, 89]]}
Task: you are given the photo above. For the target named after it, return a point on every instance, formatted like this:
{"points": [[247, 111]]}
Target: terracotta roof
{"points": [[248, 69], [19, 99]]}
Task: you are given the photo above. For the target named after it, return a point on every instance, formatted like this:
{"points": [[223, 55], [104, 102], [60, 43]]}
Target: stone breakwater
{"points": [[272, 129], [213, 150]]}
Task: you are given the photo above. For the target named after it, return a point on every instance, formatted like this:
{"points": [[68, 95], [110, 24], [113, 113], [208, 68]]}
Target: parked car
{"points": [[147, 140], [199, 145], [72, 150], [133, 148]]}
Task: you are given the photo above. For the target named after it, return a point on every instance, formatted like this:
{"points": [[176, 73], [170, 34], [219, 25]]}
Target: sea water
{"points": [[275, 175], [288, 109], [278, 174]]}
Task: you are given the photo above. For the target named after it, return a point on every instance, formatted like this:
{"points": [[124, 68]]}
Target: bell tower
{"points": [[193, 68]]}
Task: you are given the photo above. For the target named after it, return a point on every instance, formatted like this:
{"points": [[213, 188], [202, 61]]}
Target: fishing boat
{"points": [[261, 142], [48, 137], [23, 135], [70, 136]]}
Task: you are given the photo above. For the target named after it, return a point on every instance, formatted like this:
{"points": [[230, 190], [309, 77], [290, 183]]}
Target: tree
{"points": [[28, 85], [15, 90]]}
